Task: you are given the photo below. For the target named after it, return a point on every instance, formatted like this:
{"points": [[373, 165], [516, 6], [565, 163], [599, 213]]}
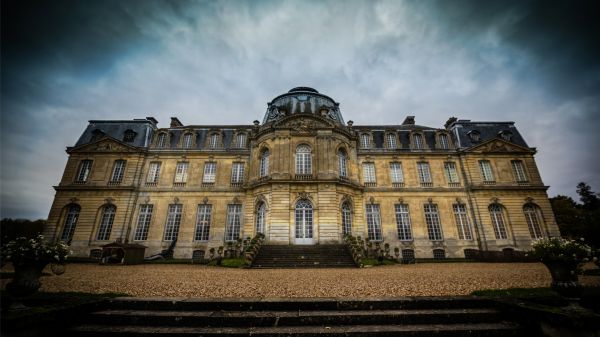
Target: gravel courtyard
{"points": [[427, 279]]}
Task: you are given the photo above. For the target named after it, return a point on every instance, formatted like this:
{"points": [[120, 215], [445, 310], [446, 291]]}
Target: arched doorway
{"points": [[304, 222]]}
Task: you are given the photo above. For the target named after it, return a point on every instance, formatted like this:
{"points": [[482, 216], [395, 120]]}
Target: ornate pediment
{"points": [[106, 144], [303, 124], [498, 145]]}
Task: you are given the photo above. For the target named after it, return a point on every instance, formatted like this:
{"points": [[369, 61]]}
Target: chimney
{"points": [[450, 121], [409, 120], [175, 123], [152, 120]]}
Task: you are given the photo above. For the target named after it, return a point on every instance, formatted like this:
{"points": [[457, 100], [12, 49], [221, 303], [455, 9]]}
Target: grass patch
{"points": [[516, 292], [229, 263], [374, 262]]}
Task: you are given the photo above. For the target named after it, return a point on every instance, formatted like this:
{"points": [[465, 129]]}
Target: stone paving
{"points": [[426, 279]]}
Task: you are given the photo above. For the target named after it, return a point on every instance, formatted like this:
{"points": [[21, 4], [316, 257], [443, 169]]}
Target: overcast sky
{"points": [[65, 62]]}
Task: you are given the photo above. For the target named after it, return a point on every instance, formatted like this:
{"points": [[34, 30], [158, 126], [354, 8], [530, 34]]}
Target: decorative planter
{"points": [[26, 280], [564, 278]]}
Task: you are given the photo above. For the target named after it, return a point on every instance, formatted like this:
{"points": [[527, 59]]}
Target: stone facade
{"points": [[302, 176]]}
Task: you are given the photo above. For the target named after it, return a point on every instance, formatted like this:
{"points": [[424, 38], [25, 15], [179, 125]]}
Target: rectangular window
{"points": [[118, 171], [106, 222], [424, 173], [443, 141], [486, 171], [396, 173], [237, 173], [234, 213], [264, 164], [153, 172], [173, 222], [519, 171], [241, 140], [373, 222], [210, 172], [187, 140], [451, 174], [181, 172], [143, 224], [369, 173], [403, 222], [83, 174], [214, 141], [365, 141], [417, 141], [391, 141], [432, 218], [462, 222], [203, 222]]}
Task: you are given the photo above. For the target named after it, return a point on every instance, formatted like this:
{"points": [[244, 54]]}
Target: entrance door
{"points": [[304, 223]]}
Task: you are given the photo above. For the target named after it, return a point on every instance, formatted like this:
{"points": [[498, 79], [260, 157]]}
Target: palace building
{"points": [[302, 176]]}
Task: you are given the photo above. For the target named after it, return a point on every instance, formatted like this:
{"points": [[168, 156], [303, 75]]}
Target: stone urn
{"points": [[564, 277], [26, 280]]}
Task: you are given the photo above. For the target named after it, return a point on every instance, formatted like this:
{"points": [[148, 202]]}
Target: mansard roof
{"points": [[303, 100], [117, 129], [462, 130]]}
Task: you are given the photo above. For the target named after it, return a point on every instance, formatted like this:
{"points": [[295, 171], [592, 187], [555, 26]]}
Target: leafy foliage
{"points": [[23, 250], [579, 220], [559, 249]]}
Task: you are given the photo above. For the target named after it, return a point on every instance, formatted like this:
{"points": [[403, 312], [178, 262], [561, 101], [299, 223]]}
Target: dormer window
{"points": [[241, 140], [161, 141], [365, 141], [474, 135], [129, 136], [391, 141], [188, 139], [443, 141], [213, 141], [418, 141], [506, 135]]}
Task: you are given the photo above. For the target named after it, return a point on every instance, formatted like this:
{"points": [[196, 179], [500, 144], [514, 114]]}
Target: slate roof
{"points": [[487, 131], [116, 129]]}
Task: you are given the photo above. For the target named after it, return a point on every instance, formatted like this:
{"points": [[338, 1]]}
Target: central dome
{"points": [[297, 89]]}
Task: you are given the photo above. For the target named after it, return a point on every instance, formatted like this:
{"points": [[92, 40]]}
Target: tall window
{"points": [[304, 219], [373, 222], [451, 174], [237, 173], [396, 173], [234, 213], [118, 171], [106, 222], [346, 218], [241, 140], [162, 140], [403, 222], [210, 173], [83, 174], [181, 172], [462, 222], [303, 160], [70, 223], [497, 217], [369, 173], [173, 222], [153, 172], [531, 215], [188, 140], [203, 222], [143, 223], [261, 213], [519, 171], [213, 141], [365, 141], [342, 163], [432, 218], [424, 173], [486, 171], [264, 164], [418, 141], [391, 140], [443, 139]]}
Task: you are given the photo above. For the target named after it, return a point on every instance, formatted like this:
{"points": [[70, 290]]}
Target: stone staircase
{"points": [[297, 256], [421, 316]]}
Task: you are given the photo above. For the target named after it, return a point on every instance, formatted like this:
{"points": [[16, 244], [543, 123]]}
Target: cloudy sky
{"points": [[220, 62]]}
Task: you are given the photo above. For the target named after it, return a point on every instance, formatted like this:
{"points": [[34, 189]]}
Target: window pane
{"points": [[486, 170], [346, 219], [303, 160], [181, 172], [162, 140], [391, 141], [264, 164], [365, 141], [153, 172], [70, 223], [304, 219], [443, 141], [451, 175], [369, 172], [342, 164], [106, 222], [234, 213], [237, 173], [498, 221], [403, 222], [260, 218], [118, 171], [432, 218], [210, 171], [241, 140], [214, 141], [396, 172], [532, 222], [203, 222], [173, 221], [417, 141], [424, 173], [462, 222], [373, 222], [187, 140], [143, 224], [85, 168], [519, 171]]}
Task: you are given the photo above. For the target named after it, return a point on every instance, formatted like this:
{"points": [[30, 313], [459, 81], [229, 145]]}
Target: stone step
{"points": [[292, 318], [440, 330], [320, 256]]}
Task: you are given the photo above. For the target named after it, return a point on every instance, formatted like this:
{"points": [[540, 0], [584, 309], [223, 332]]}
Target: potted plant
{"points": [[29, 257], [397, 253], [211, 253], [562, 257]]}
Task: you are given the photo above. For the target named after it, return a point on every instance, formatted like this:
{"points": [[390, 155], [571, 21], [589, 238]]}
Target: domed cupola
{"points": [[303, 100]]}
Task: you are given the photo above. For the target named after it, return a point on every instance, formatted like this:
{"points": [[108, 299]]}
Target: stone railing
{"points": [[355, 249], [253, 248]]}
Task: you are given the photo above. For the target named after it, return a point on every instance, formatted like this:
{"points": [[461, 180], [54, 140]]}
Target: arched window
{"points": [[533, 221], [497, 216], [261, 213], [506, 135], [417, 141], [303, 160], [264, 163], [161, 141], [213, 141], [443, 139], [342, 163], [474, 135], [106, 222], [129, 136], [346, 218], [304, 220], [188, 140], [70, 223], [365, 141]]}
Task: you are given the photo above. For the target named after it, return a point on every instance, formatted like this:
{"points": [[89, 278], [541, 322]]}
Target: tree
{"points": [[588, 198], [579, 220], [568, 216]]}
